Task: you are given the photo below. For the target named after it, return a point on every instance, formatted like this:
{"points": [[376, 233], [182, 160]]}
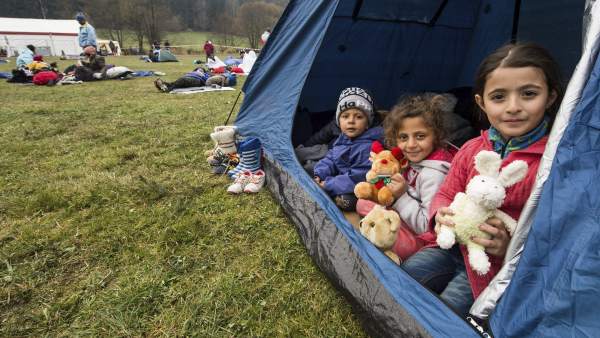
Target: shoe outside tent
{"points": [[392, 47]]}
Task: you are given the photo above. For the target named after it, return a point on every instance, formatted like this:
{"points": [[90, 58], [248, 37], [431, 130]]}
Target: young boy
{"points": [[347, 162]]}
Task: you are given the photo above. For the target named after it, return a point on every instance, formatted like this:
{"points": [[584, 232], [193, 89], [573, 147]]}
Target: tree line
{"points": [[150, 19]]}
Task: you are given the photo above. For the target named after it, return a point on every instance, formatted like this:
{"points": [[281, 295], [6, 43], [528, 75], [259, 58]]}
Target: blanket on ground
{"points": [[194, 90]]}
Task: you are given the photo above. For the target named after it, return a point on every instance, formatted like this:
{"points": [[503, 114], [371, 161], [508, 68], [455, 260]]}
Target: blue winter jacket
{"points": [[347, 163], [87, 36], [25, 57]]}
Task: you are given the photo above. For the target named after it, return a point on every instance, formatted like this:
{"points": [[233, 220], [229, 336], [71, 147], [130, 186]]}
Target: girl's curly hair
{"points": [[430, 107]]}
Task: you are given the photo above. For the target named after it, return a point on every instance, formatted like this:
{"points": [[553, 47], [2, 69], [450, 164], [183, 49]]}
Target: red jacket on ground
{"points": [[461, 171], [44, 77]]}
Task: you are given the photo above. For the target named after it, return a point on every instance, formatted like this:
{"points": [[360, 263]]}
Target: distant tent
{"points": [[166, 56], [104, 46], [392, 47], [50, 37]]}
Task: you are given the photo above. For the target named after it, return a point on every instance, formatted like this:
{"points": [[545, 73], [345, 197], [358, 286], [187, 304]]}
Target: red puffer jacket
{"points": [[45, 77]]}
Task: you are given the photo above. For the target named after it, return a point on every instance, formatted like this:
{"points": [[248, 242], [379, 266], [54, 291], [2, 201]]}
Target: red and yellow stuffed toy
{"points": [[386, 163]]}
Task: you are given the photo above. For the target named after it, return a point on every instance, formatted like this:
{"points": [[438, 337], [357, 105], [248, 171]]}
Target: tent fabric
{"points": [[319, 47], [49, 36]]}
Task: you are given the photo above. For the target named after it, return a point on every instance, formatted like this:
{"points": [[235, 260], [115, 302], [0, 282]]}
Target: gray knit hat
{"points": [[354, 97]]}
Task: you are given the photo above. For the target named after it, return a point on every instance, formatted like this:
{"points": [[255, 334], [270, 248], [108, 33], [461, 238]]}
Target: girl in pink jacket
{"points": [[518, 87]]}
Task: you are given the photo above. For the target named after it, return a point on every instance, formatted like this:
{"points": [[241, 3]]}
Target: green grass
{"points": [[111, 225], [192, 41]]}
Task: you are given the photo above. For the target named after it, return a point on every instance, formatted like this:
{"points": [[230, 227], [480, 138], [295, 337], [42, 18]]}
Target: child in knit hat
{"points": [[347, 162]]}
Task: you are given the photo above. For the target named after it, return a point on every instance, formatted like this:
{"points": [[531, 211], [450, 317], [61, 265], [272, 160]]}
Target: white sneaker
{"points": [[240, 183], [256, 182]]}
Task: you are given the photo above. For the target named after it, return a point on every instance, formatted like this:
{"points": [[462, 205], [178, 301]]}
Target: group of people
{"points": [[91, 66], [31, 67], [518, 88]]}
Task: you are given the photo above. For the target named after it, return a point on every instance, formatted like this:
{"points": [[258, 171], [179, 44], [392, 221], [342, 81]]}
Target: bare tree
{"points": [[133, 11], [110, 14], [254, 17], [43, 8]]}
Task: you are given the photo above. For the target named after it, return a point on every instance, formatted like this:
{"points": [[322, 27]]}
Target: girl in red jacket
{"points": [[518, 87]]}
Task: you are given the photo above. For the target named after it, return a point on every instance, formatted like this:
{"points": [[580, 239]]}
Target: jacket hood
{"points": [[438, 160]]}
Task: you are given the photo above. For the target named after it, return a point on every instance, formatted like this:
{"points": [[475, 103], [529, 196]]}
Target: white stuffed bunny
{"points": [[484, 195]]}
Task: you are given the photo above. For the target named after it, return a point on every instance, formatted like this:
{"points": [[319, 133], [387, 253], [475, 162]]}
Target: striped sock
{"points": [[249, 152]]}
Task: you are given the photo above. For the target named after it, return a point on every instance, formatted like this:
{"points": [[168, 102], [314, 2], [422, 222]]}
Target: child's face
{"points": [[353, 122], [415, 139], [515, 99]]}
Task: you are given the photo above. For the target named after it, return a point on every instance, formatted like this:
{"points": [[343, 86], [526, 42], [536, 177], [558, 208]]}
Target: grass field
{"points": [[193, 41], [112, 225]]}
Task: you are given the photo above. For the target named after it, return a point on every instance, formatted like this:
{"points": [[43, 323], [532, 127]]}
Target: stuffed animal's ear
{"points": [[372, 156], [397, 152], [513, 173], [376, 147], [488, 163]]}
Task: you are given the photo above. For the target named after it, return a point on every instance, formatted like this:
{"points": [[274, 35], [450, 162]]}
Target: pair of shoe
{"points": [[161, 85], [221, 163], [247, 181]]}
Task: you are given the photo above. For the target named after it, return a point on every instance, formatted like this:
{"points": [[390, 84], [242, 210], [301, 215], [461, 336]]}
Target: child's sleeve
{"points": [[344, 183], [325, 167], [413, 211]]}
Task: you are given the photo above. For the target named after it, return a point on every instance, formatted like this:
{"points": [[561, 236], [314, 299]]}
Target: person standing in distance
{"points": [[87, 33]]}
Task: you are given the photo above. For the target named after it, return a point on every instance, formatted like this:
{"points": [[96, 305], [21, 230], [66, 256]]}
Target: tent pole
{"points": [[233, 107], [437, 14], [515, 27], [356, 10]]}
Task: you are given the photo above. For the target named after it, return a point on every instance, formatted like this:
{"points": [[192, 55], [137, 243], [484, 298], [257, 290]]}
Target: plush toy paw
{"points": [[385, 197], [479, 261], [446, 238], [363, 190]]}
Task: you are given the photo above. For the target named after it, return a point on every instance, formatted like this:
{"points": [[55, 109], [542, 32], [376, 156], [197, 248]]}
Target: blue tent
{"points": [[396, 46]]}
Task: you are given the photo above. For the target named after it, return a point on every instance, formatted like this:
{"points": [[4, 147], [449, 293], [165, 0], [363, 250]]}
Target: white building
{"points": [[50, 37]]}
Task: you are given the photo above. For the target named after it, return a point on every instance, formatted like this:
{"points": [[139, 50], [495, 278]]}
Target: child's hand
{"points": [[497, 245], [319, 182], [397, 186], [441, 218]]}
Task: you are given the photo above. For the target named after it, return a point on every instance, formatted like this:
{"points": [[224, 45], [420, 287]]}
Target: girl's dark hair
{"points": [[430, 107], [523, 55]]}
